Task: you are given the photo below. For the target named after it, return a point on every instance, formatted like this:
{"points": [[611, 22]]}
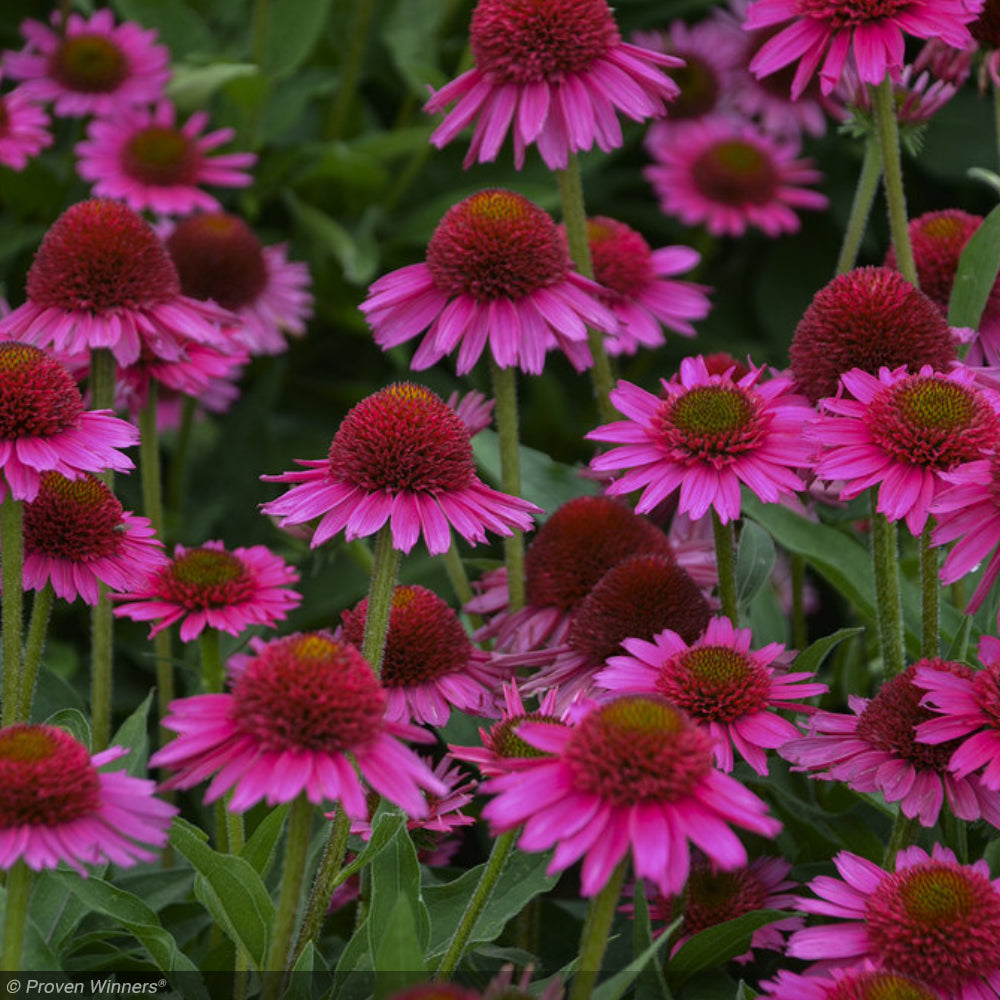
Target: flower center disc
{"points": [[425, 641], [986, 688], [879, 985], [622, 260], [849, 13], [38, 396], [89, 63], [46, 777], [218, 257], [528, 41], [714, 423], [714, 683], [503, 740], [699, 83], [207, 578], [735, 172], [579, 543], [986, 28], [936, 921], [496, 245], [74, 519], [309, 692], [99, 256], [161, 155], [637, 749], [403, 437], [714, 897]]}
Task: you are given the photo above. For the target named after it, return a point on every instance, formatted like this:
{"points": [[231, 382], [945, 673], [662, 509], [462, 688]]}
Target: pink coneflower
{"points": [[918, 97], [900, 432], [876, 750], [967, 712], [400, 456], [219, 257], [864, 982], [721, 684], [77, 536], [706, 434], [474, 410], [303, 714], [145, 158], [211, 587], [569, 554], [932, 919], [872, 32], [430, 665], [728, 175], [55, 805], [632, 774], [102, 279], [89, 66], [638, 288], [24, 129], [497, 276], [868, 318], [556, 71], [44, 427]]}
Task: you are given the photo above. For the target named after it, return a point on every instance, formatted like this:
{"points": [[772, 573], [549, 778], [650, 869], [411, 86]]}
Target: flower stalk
{"points": [[505, 392]]}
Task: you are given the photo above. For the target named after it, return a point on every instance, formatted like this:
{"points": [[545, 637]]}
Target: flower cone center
{"points": [[986, 28], [848, 13], [38, 397], [714, 683], [161, 155], [207, 578], [879, 985], [986, 690], [699, 83], [712, 423], [622, 260], [713, 897], [89, 63], [503, 740], [735, 172], [75, 519]]}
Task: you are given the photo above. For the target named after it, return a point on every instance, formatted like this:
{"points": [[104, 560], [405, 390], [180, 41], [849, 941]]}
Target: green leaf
{"points": [[976, 274], [192, 87], [615, 986], [651, 983], [397, 952], [410, 34], [260, 848], [293, 29], [231, 889], [754, 561], [138, 919], [811, 658], [959, 648], [179, 27], [746, 992], [356, 252], [38, 954], [133, 734], [386, 824], [73, 722]]}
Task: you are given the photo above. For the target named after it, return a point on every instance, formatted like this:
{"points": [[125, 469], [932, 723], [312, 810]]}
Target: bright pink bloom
{"points": [[556, 71], [932, 919], [89, 66], [872, 32], [638, 286], [876, 750], [863, 982], [967, 712], [24, 129], [634, 774], [210, 587], [900, 432], [102, 279], [305, 715], [918, 96], [474, 410], [144, 158], [721, 684], [77, 536], [44, 427], [497, 276], [728, 175], [706, 434], [55, 805], [400, 456]]}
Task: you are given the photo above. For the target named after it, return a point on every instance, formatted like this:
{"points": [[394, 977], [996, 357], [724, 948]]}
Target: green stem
{"points": [[725, 560], [261, 17], [903, 834], [15, 916], [350, 66], [380, 591], [41, 612], [502, 848], [575, 220], [213, 673], [884, 104], [594, 940], [163, 654], [103, 369], [455, 569], [101, 669], [955, 834], [930, 639], [889, 609], [505, 392], [300, 818], [800, 630], [327, 879], [11, 602], [149, 462], [178, 459], [864, 197], [996, 113]]}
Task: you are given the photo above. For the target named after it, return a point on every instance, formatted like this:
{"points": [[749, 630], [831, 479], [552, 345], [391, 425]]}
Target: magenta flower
{"points": [[900, 432], [55, 805], [400, 456], [577, 802], [143, 157], [877, 750], [933, 919], [554, 71], [89, 66], [862, 982], [727, 175], [872, 32], [735, 693], [497, 275], [305, 715], [706, 434], [24, 129], [44, 427]]}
